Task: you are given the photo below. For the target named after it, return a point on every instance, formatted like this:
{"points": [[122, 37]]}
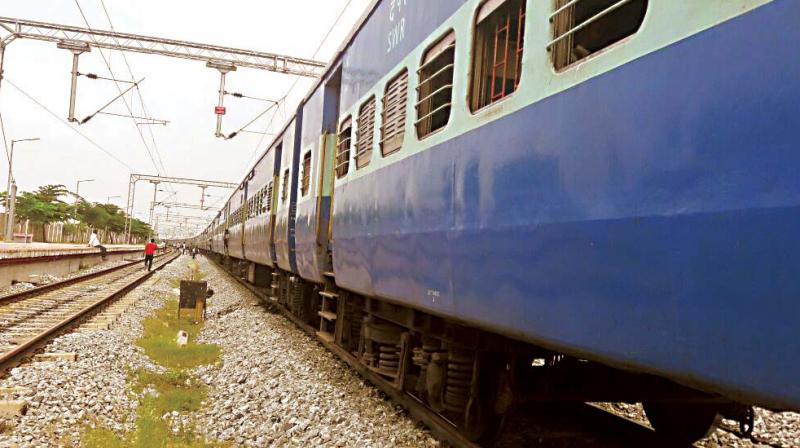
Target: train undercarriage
{"points": [[469, 377]]}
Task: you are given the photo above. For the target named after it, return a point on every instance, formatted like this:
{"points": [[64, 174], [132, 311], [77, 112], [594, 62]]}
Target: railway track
{"points": [[30, 318], [549, 425]]}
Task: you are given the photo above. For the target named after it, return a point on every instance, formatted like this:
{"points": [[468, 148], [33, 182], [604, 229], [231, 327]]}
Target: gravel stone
{"points": [[46, 279], [94, 390], [772, 429], [279, 387]]}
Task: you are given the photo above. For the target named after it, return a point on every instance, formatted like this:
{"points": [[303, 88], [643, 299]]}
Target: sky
{"points": [[180, 91]]}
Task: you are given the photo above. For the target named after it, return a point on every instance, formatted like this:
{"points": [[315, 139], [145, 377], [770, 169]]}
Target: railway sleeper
{"points": [[472, 378]]}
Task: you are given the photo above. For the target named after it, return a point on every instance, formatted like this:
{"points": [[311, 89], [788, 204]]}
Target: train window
{"points": [[497, 52], [393, 126], [269, 196], [343, 147], [582, 28], [285, 191], [305, 185], [365, 133], [435, 90]]}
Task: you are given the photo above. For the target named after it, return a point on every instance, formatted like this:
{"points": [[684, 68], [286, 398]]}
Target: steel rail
{"points": [[11, 357], [67, 282]]}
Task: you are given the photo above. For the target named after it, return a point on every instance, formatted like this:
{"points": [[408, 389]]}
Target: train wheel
{"points": [[490, 399], [681, 423]]}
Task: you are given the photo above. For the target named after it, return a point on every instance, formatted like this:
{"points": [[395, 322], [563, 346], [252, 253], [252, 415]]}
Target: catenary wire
{"points": [[5, 142], [297, 80], [57, 117], [159, 170], [138, 90]]}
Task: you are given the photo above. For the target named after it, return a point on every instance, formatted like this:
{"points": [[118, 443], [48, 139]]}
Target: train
{"points": [[496, 202]]}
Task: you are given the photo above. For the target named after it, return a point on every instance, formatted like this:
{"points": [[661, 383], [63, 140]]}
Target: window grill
{"points": [[365, 134], [285, 191], [306, 181], [435, 90], [343, 147], [393, 126], [584, 27], [498, 52], [269, 196], [260, 202]]}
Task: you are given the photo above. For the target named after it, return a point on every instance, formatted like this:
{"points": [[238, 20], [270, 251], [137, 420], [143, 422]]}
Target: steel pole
{"points": [[74, 86], [2, 60], [153, 204], [13, 201], [221, 101], [129, 208], [9, 218], [202, 195]]}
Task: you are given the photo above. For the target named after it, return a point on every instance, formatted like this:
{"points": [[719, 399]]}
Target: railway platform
{"points": [[21, 262]]}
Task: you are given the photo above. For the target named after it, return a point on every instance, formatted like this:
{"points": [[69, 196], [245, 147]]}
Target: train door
{"points": [[245, 214], [272, 192], [225, 231], [330, 129]]}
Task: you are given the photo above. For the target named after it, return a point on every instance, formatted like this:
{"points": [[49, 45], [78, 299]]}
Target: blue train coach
{"points": [[490, 202]]}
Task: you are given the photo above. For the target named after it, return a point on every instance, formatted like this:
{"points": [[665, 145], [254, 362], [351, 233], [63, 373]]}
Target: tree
{"points": [[43, 206], [140, 228]]}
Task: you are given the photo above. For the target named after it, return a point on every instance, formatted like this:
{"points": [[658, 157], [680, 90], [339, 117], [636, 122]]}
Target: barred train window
{"points": [[393, 126], [497, 55], [365, 133], [306, 181], [343, 147], [269, 196], [584, 27], [435, 90], [285, 192]]}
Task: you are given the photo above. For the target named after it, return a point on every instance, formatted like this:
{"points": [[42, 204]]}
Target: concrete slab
{"points": [[34, 250], [28, 262]]}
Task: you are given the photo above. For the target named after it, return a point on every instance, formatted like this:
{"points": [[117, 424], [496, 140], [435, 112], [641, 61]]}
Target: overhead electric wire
{"points": [[5, 142], [90, 116], [160, 170], [138, 90], [57, 117], [296, 81]]}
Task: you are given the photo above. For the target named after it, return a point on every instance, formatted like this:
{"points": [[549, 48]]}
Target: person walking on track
{"points": [[149, 253], [94, 241]]}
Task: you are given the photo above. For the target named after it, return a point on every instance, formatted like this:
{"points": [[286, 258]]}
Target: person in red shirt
{"points": [[149, 252]]}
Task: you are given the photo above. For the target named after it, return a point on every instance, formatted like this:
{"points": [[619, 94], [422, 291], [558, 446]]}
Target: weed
{"points": [[175, 390]]}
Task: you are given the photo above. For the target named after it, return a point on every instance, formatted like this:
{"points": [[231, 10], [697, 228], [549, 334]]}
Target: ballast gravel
{"points": [[279, 387], [772, 429], [46, 279], [65, 396]]}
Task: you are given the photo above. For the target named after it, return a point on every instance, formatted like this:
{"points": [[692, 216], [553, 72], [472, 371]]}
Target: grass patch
{"points": [[97, 437], [160, 332], [175, 390]]}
